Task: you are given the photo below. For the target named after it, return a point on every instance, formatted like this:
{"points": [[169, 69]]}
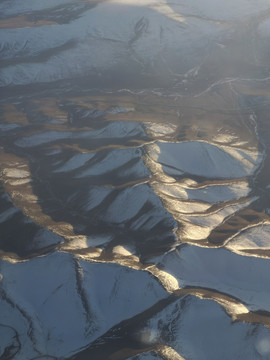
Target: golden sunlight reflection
{"points": [[134, 179], [159, 6], [169, 353], [15, 175]]}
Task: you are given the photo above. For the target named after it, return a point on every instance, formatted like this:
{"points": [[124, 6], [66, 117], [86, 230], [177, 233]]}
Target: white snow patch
{"points": [[243, 277], [84, 242], [113, 160], [117, 129], [200, 329], [54, 291], [211, 194], [204, 159], [123, 250], [256, 237], [158, 130], [16, 173]]}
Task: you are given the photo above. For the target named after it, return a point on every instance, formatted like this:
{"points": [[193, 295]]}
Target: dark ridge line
{"points": [[253, 317], [261, 253], [69, 91], [27, 317], [235, 224], [125, 331], [41, 56], [46, 356], [53, 8], [4, 355], [65, 13], [6, 255], [81, 292], [139, 28], [121, 330], [261, 317]]}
